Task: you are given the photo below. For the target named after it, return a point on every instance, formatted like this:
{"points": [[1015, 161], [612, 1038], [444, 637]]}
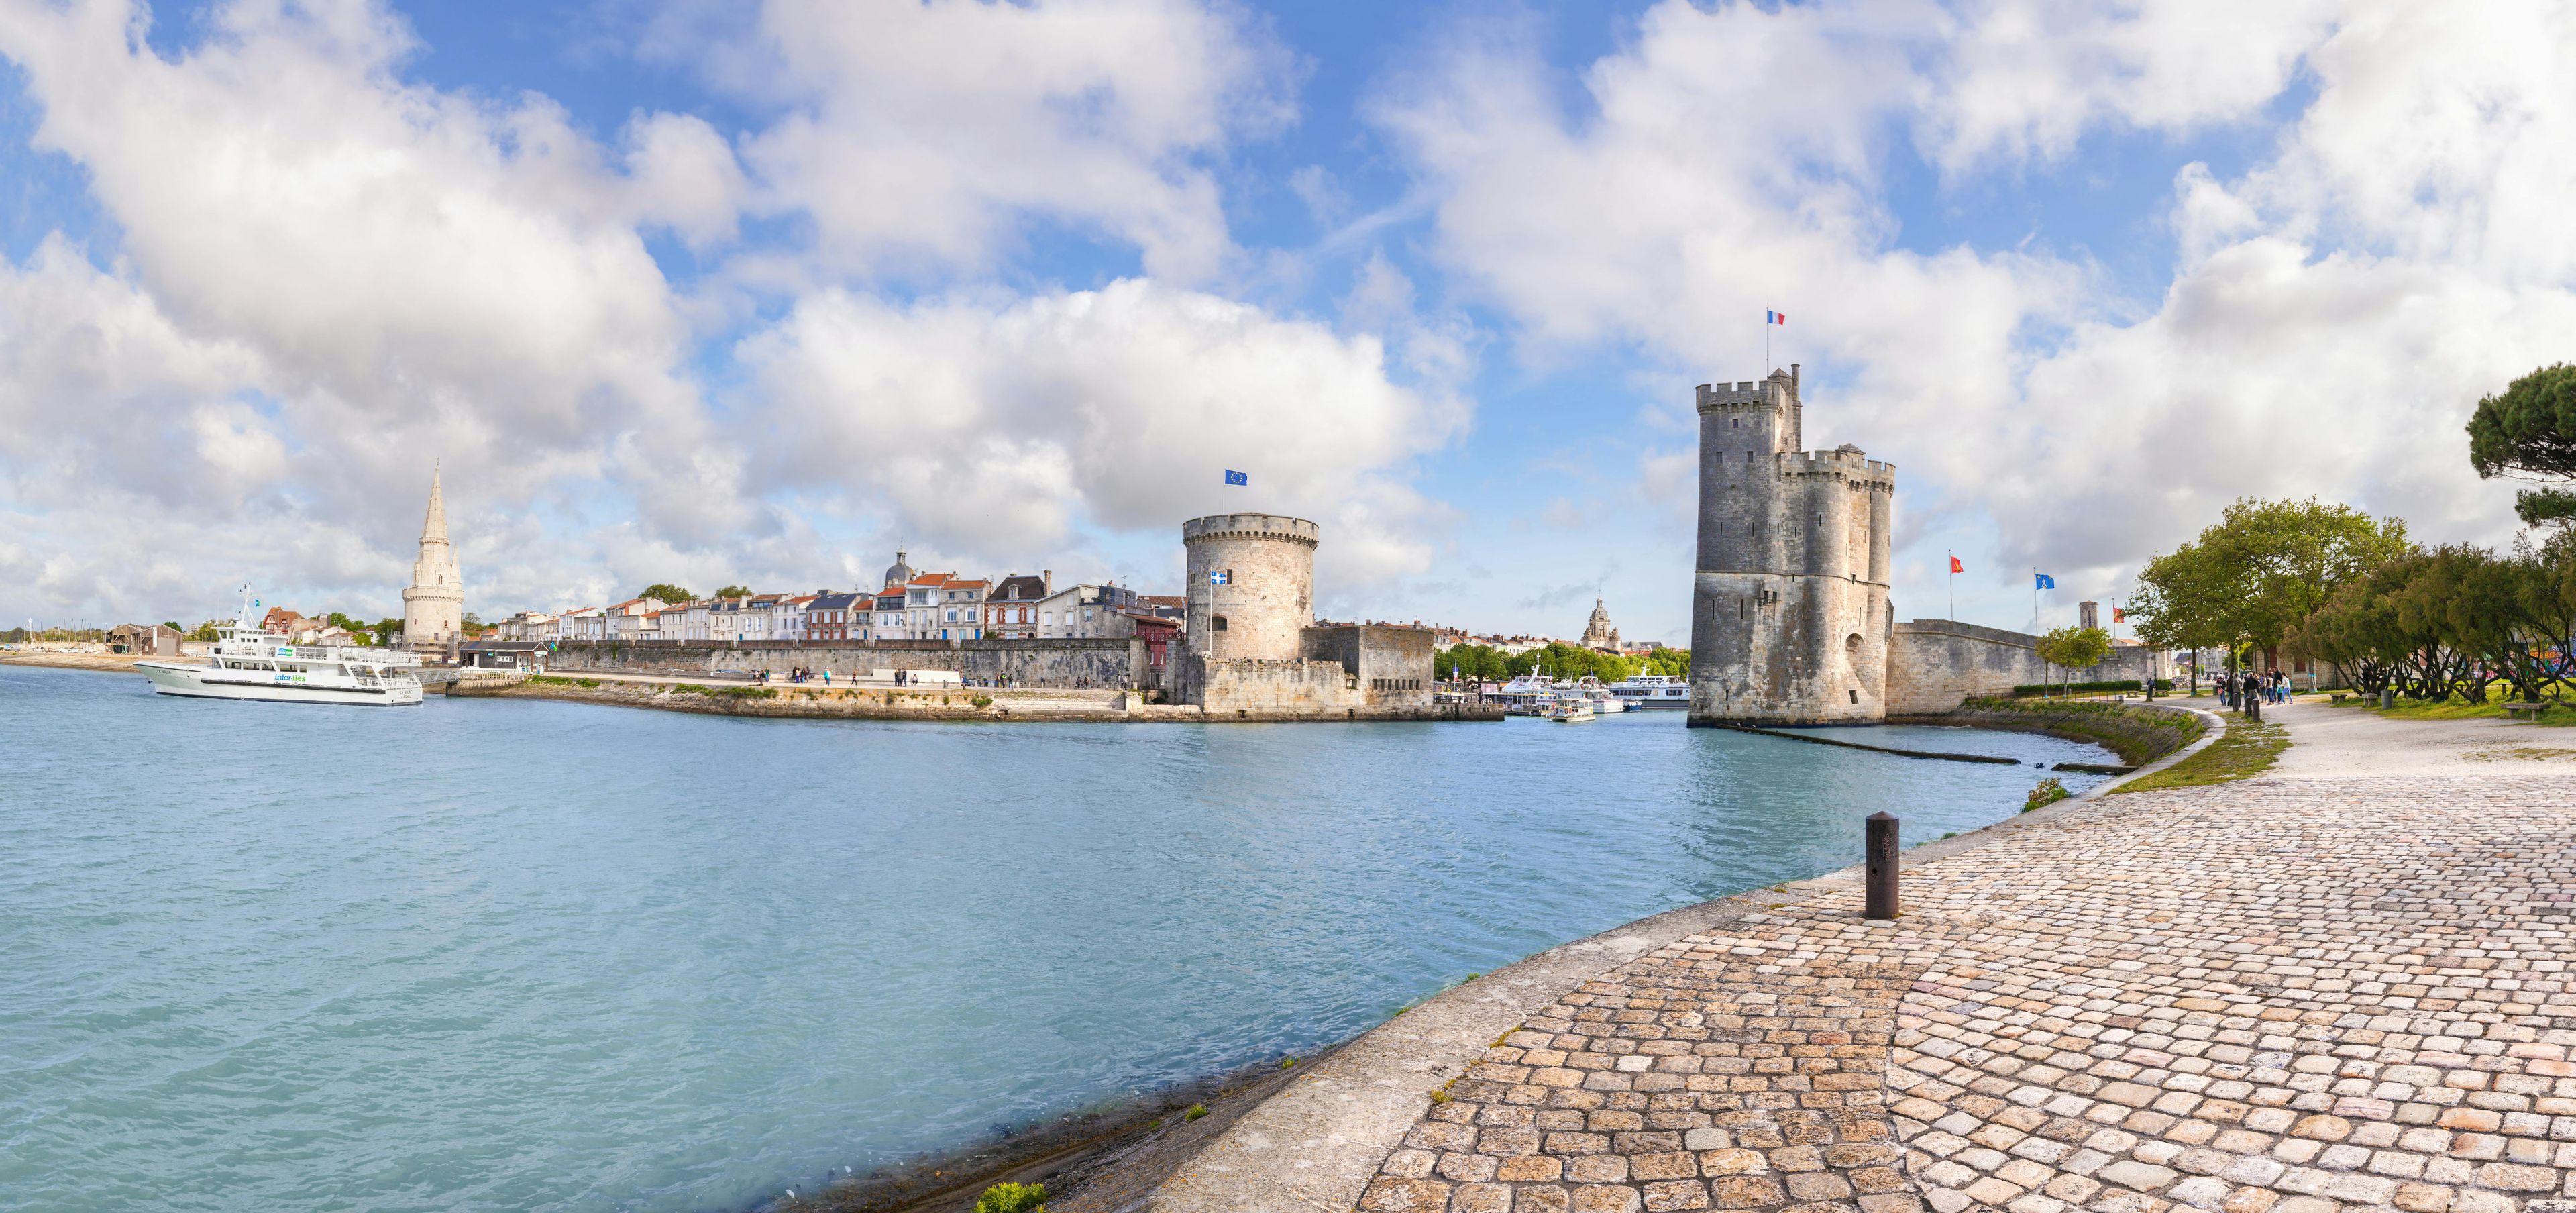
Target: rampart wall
{"points": [[1934, 665], [1356, 670], [1106, 663]]}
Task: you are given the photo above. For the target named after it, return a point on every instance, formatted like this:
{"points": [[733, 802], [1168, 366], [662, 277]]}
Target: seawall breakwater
{"points": [[2139, 733], [811, 701]]}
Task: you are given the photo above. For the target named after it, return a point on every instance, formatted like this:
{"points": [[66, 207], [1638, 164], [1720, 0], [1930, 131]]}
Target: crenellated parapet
{"points": [[1275, 528], [1846, 465]]}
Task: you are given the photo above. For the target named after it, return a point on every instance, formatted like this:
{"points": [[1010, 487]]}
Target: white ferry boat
{"points": [[1527, 695], [1591, 691], [1648, 691], [251, 663]]}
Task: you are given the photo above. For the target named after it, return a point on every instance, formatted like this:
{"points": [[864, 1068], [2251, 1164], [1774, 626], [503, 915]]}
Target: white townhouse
{"points": [[789, 621], [1089, 610], [685, 621]]}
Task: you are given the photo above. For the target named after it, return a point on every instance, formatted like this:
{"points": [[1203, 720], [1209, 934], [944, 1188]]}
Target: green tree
{"points": [[173, 625], [2255, 576], [733, 591], [2072, 649], [206, 631], [667, 593], [387, 626], [2528, 432]]}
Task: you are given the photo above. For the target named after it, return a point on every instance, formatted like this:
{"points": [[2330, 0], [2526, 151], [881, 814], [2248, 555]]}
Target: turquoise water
{"points": [[528, 955]]}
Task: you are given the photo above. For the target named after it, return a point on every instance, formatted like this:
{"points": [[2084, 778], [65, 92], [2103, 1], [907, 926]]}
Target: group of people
{"points": [[794, 674], [2271, 686]]}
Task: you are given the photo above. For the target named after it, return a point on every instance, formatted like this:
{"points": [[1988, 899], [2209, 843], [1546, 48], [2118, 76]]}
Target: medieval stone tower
{"points": [[1251, 589], [1790, 622], [434, 603]]}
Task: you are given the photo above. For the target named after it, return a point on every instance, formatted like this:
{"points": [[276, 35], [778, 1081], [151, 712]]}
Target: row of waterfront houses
{"points": [[912, 605]]}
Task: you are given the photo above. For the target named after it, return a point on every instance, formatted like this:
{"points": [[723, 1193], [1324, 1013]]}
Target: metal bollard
{"points": [[1879, 843]]}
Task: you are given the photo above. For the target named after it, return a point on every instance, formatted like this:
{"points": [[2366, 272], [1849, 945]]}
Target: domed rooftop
{"points": [[898, 572]]}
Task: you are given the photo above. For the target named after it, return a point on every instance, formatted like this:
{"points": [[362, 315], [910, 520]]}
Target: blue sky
{"points": [[735, 292]]}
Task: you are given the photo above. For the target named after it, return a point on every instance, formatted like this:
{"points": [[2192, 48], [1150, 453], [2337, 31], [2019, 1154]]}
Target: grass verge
{"points": [[2248, 749], [2456, 708]]}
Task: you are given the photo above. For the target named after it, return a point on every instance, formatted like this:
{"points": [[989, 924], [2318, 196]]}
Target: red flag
{"points": [[2119, 615], [1957, 567]]}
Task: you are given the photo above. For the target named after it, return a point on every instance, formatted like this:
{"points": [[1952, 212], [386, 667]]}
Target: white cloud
{"points": [[390, 273], [2015, 80], [999, 429], [2333, 313], [921, 135]]}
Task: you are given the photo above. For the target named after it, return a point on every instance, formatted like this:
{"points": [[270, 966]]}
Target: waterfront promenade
{"points": [[2341, 985]]}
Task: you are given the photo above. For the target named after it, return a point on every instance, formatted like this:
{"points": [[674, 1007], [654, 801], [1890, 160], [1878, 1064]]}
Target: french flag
{"points": [[1778, 318]]}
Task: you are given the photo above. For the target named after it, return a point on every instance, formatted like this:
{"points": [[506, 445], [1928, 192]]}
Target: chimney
{"points": [[1046, 577]]}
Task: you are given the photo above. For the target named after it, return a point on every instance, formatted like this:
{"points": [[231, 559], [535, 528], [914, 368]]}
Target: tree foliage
{"points": [[734, 591], [1557, 660], [2075, 648], [2456, 620], [2260, 572], [668, 594], [2528, 431]]}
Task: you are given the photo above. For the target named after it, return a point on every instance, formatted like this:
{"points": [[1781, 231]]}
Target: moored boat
{"points": [[251, 663], [1654, 691]]}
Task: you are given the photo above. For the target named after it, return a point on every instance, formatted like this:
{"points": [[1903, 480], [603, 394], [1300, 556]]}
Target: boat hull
{"points": [[212, 682]]}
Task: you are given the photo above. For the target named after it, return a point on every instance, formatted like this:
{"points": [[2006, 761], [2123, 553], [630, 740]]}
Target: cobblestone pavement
{"points": [[2277, 996]]}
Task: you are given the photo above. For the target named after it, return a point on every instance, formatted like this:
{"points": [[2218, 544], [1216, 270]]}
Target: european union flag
{"points": [[1235, 477], [2045, 582]]}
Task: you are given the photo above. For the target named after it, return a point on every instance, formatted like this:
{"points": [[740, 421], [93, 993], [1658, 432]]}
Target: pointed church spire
{"points": [[433, 529]]}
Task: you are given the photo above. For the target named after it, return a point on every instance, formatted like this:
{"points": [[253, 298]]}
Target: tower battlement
{"points": [[1850, 465]]}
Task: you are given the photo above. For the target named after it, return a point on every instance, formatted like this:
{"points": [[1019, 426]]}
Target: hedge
{"points": [[2115, 684]]}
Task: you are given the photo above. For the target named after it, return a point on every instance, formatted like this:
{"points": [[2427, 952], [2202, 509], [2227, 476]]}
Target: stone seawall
{"points": [[2139, 733], [1112, 663], [1934, 665], [810, 701]]}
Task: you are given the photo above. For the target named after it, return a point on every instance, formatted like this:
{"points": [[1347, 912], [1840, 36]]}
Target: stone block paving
{"points": [[2294, 996]]}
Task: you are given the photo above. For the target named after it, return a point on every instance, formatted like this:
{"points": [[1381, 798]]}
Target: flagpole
{"points": [[1954, 585]]}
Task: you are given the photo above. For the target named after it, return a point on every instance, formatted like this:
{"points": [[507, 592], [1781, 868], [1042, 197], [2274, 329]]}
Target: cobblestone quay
{"points": [[2289, 995]]}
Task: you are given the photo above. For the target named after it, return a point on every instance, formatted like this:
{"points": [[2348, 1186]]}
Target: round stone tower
{"points": [[1251, 585]]}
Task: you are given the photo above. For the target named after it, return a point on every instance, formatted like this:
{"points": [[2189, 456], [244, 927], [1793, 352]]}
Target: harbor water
{"points": [[510, 954]]}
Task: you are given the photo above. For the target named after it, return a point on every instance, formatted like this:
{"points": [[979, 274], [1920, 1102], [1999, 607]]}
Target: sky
{"points": [[710, 292]]}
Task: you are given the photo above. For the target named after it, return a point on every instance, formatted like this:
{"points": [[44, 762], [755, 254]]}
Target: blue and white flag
{"points": [[1235, 477], [2045, 582], [1218, 577]]}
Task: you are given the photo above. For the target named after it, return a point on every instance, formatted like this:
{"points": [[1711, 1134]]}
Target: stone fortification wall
{"points": [[1352, 670], [1097, 663], [1937, 664]]}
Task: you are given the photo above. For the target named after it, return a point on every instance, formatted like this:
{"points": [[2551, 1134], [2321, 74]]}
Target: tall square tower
{"points": [[1790, 622]]}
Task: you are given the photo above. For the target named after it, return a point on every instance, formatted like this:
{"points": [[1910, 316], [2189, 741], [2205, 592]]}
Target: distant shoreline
{"points": [[96, 663]]}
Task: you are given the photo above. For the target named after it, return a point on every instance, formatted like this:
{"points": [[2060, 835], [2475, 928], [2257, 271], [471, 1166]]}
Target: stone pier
{"points": [[2340, 987]]}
